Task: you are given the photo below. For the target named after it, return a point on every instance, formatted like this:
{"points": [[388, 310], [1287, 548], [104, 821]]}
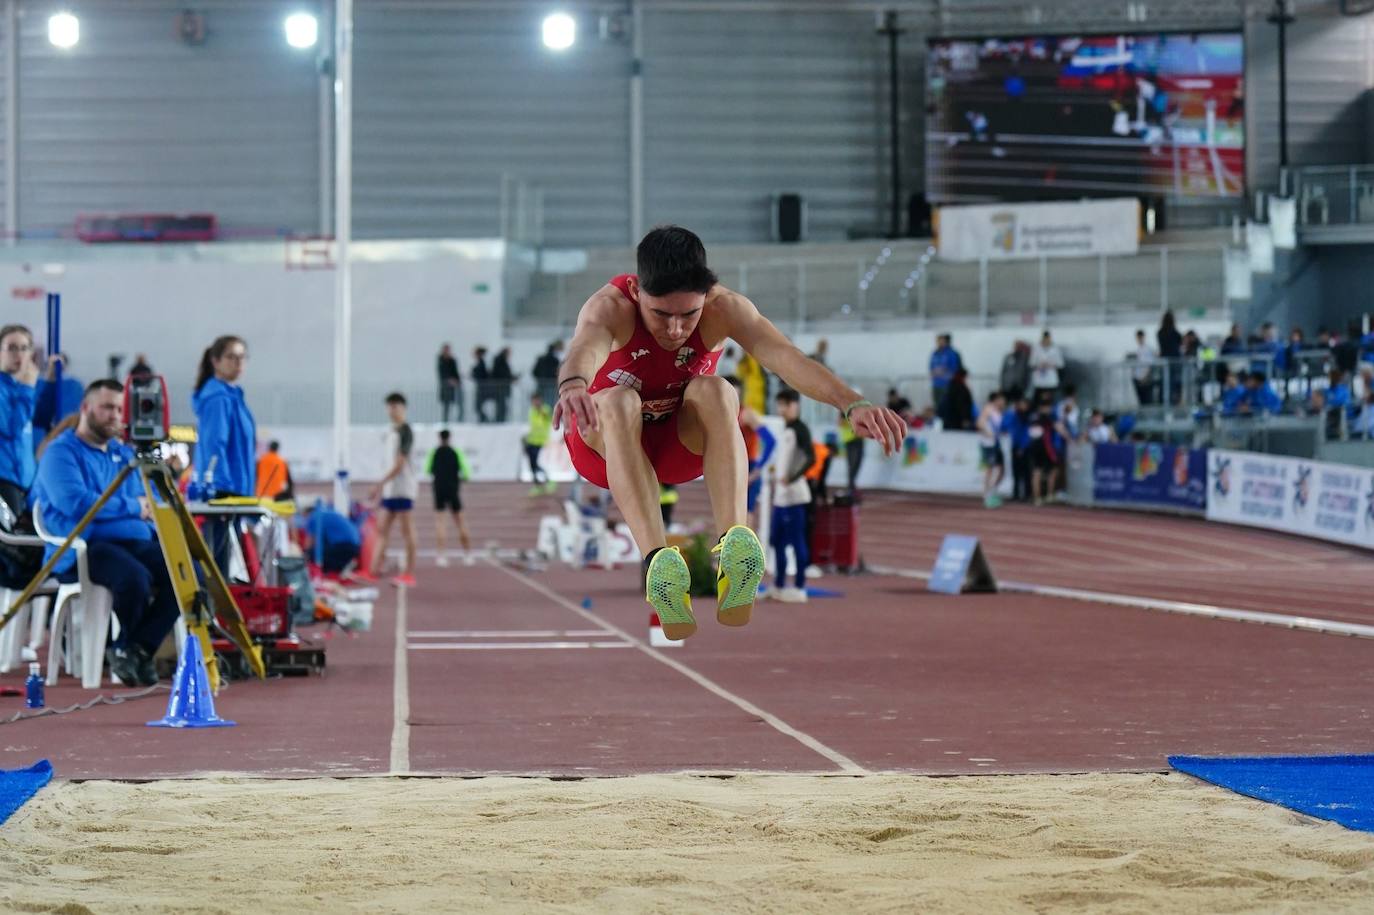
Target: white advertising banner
{"points": [[1310, 498], [930, 461], [1030, 230]]}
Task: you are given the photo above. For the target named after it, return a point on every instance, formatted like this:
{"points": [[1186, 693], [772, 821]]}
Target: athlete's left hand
{"points": [[881, 425]]}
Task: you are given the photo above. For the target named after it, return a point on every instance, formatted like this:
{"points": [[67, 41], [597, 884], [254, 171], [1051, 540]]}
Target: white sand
{"points": [[1101, 843]]}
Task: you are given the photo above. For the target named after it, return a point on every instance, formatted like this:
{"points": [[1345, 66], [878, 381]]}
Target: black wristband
{"points": [[573, 378]]}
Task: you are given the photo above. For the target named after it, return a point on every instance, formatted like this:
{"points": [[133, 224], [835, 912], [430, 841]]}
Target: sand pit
{"points": [[1117, 843]]}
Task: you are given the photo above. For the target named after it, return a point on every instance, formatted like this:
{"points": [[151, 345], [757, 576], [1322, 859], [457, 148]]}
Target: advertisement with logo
{"points": [[929, 461], [1327, 501], [1033, 230], [1151, 475]]}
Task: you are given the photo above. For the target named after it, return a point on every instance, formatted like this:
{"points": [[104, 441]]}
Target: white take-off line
{"points": [[400, 693], [846, 765], [1186, 608]]}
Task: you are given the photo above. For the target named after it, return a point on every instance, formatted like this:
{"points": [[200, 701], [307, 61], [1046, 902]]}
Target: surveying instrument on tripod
{"points": [[204, 598]]}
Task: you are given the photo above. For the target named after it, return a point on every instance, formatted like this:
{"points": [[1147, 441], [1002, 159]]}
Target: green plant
{"points": [[697, 552]]}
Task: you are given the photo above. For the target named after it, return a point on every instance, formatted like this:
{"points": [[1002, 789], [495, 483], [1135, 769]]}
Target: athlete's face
{"points": [[671, 318]]}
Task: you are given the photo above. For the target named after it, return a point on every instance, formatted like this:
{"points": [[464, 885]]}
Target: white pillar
{"points": [[637, 124], [343, 234], [12, 120]]}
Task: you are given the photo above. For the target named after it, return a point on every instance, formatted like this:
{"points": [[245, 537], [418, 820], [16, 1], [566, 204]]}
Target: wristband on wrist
{"points": [[854, 406], [572, 378]]}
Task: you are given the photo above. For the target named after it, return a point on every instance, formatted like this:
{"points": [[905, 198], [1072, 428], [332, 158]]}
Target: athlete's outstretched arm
{"points": [[780, 355], [592, 342]]}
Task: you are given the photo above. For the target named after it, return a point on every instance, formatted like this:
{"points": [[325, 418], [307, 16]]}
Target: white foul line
{"points": [[1286, 620], [506, 633], [846, 764], [400, 708]]}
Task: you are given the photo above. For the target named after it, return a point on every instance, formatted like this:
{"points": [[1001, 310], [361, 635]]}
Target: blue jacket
{"points": [[330, 528], [227, 431], [16, 432], [45, 412], [1261, 400], [1230, 400], [71, 477], [944, 362], [1017, 426]]}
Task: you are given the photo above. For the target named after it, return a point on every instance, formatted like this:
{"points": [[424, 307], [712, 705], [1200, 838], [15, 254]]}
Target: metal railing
{"points": [[916, 288], [1331, 195]]}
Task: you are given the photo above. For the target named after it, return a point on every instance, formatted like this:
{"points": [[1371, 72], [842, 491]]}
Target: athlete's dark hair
{"points": [[787, 395], [396, 397], [673, 259]]}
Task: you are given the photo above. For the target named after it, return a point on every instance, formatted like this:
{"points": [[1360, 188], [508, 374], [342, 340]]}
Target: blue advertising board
{"points": [[1150, 474]]}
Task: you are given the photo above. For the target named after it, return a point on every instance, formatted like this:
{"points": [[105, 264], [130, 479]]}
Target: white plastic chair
{"points": [[20, 640], [81, 618]]}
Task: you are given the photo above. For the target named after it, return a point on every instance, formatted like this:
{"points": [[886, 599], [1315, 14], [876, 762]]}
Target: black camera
{"points": [[146, 415]]}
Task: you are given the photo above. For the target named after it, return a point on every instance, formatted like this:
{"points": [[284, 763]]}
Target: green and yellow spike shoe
{"points": [[668, 584], [741, 570]]}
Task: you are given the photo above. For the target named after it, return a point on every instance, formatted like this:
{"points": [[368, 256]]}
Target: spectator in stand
{"points": [[944, 362], [502, 379], [1338, 400], [1234, 344], [900, 405], [450, 383], [1363, 426], [1048, 362], [545, 372], [1046, 455], [1231, 393], [956, 409], [18, 380], [989, 439], [481, 380], [1016, 424], [1098, 431], [1143, 373], [141, 370], [1266, 355], [1296, 345], [1068, 413], [1346, 352], [54, 402], [1191, 344], [1257, 397], [1169, 339], [1015, 375]]}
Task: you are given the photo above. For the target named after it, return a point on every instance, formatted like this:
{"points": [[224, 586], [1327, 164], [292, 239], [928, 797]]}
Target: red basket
{"points": [[266, 611]]}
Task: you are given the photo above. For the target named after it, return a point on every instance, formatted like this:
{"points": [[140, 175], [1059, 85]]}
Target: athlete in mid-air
{"points": [[640, 405]]}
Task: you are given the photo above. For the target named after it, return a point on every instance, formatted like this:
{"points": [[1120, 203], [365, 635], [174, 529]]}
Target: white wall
{"points": [[171, 301]]}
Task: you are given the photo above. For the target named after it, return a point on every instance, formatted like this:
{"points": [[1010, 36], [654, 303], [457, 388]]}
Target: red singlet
{"points": [[660, 376]]}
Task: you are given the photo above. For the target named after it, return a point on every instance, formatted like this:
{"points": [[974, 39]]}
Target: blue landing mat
{"points": [[1337, 788], [18, 785]]}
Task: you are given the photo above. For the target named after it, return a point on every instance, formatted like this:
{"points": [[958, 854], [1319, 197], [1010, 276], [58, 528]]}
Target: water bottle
{"points": [[33, 688]]}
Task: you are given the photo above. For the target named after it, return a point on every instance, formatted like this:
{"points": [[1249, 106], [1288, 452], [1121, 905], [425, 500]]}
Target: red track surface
{"points": [[889, 677]]}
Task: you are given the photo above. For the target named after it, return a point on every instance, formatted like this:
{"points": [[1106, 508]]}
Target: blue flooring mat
{"points": [[1337, 788], [18, 785]]}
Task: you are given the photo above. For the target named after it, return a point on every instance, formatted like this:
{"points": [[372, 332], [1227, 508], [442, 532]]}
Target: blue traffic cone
{"points": [[191, 705]]}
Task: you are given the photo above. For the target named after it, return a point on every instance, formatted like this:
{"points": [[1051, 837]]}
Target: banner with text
{"points": [[1311, 498], [1031, 230], [1150, 474]]}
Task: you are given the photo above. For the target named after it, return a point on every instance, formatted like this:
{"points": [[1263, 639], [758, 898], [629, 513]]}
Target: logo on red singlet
{"points": [[656, 411], [684, 356], [626, 379], [637, 353]]}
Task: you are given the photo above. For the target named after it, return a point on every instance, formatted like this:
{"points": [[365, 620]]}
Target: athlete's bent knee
{"points": [[618, 406], [714, 391]]}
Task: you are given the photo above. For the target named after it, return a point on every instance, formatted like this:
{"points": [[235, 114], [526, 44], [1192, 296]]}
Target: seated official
{"points": [[330, 537], [122, 551]]}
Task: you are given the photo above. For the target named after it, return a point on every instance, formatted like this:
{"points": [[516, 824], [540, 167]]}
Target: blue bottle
{"points": [[33, 687]]}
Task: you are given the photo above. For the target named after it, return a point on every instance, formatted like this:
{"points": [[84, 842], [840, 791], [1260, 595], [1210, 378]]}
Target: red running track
{"points": [[887, 678]]}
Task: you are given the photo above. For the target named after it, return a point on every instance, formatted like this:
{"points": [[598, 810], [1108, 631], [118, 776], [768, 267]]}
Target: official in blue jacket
{"points": [[122, 551], [944, 363], [17, 377], [226, 435]]}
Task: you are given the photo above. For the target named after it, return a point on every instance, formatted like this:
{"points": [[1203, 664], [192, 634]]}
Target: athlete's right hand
{"points": [[575, 405]]}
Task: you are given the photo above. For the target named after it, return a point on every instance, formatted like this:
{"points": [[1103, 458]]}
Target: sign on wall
{"points": [[1032, 230], [1310, 498]]}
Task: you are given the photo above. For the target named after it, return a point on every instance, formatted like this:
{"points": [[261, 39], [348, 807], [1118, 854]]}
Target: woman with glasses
{"points": [[17, 395], [226, 434]]}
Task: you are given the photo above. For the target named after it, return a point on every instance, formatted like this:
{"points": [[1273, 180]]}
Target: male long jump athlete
{"points": [[640, 405]]}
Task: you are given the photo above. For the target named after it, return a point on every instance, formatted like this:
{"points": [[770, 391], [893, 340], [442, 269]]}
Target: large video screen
{"points": [[1088, 116]]}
